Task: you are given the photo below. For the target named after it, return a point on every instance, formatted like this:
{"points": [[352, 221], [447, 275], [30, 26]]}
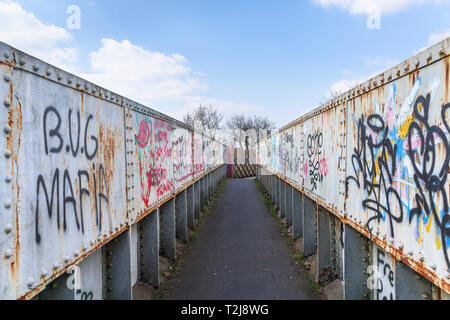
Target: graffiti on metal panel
{"points": [[206, 147], [430, 170], [375, 158], [154, 146], [59, 191], [293, 158], [183, 155], [385, 287], [402, 164], [198, 156], [275, 153], [316, 165]]}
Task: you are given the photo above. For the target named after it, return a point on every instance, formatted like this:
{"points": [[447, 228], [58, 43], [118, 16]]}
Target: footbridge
{"points": [[100, 195]]}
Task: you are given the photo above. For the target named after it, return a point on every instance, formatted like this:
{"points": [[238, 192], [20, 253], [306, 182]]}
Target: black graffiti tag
{"points": [[62, 193], [371, 163], [430, 171], [314, 151]]}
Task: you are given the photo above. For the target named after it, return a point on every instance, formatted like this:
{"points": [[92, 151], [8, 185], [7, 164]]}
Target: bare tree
{"points": [[249, 130], [263, 127], [207, 118]]}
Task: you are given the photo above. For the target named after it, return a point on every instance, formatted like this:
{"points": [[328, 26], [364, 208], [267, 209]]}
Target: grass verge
{"points": [[298, 255]]}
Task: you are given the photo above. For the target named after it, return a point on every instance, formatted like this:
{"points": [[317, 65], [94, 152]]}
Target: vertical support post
{"points": [[277, 193], [323, 246], [269, 184], [282, 199], [190, 199], [197, 199], [211, 178], [209, 187], [149, 241], [297, 214], [272, 188], [218, 178], [118, 268], [181, 216], [215, 181], [167, 230], [202, 193], [263, 176], [409, 285], [134, 268], [206, 189], [356, 262], [289, 191], [309, 227]]}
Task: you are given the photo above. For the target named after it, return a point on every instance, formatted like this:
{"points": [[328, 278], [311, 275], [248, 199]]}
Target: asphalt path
{"points": [[240, 254]]}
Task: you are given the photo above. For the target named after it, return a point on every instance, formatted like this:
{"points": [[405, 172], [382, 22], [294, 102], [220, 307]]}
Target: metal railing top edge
{"points": [[20, 60], [419, 61]]}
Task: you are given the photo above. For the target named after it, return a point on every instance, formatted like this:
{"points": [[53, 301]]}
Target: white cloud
{"points": [[24, 31], [226, 107], [141, 74], [437, 37], [161, 81], [365, 6], [154, 79], [433, 39], [343, 85]]}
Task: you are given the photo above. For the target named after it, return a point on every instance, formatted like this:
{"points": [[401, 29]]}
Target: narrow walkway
{"points": [[240, 254]]}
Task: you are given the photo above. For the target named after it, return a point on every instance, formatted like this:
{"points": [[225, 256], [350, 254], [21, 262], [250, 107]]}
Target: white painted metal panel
{"points": [[182, 157], [199, 165], [382, 275], [397, 161], [69, 175]]}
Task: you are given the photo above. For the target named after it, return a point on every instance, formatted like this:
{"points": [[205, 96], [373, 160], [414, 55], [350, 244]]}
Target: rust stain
{"points": [[93, 191], [412, 79], [82, 104], [447, 79], [109, 142], [13, 143], [13, 274]]}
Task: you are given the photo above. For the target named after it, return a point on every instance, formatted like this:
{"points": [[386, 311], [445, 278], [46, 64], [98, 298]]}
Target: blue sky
{"points": [[275, 58]]}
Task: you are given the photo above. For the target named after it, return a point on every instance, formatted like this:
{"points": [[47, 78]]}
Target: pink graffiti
{"points": [[198, 156], [416, 141], [305, 169], [155, 149], [183, 151], [144, 134], [323, 167]]}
